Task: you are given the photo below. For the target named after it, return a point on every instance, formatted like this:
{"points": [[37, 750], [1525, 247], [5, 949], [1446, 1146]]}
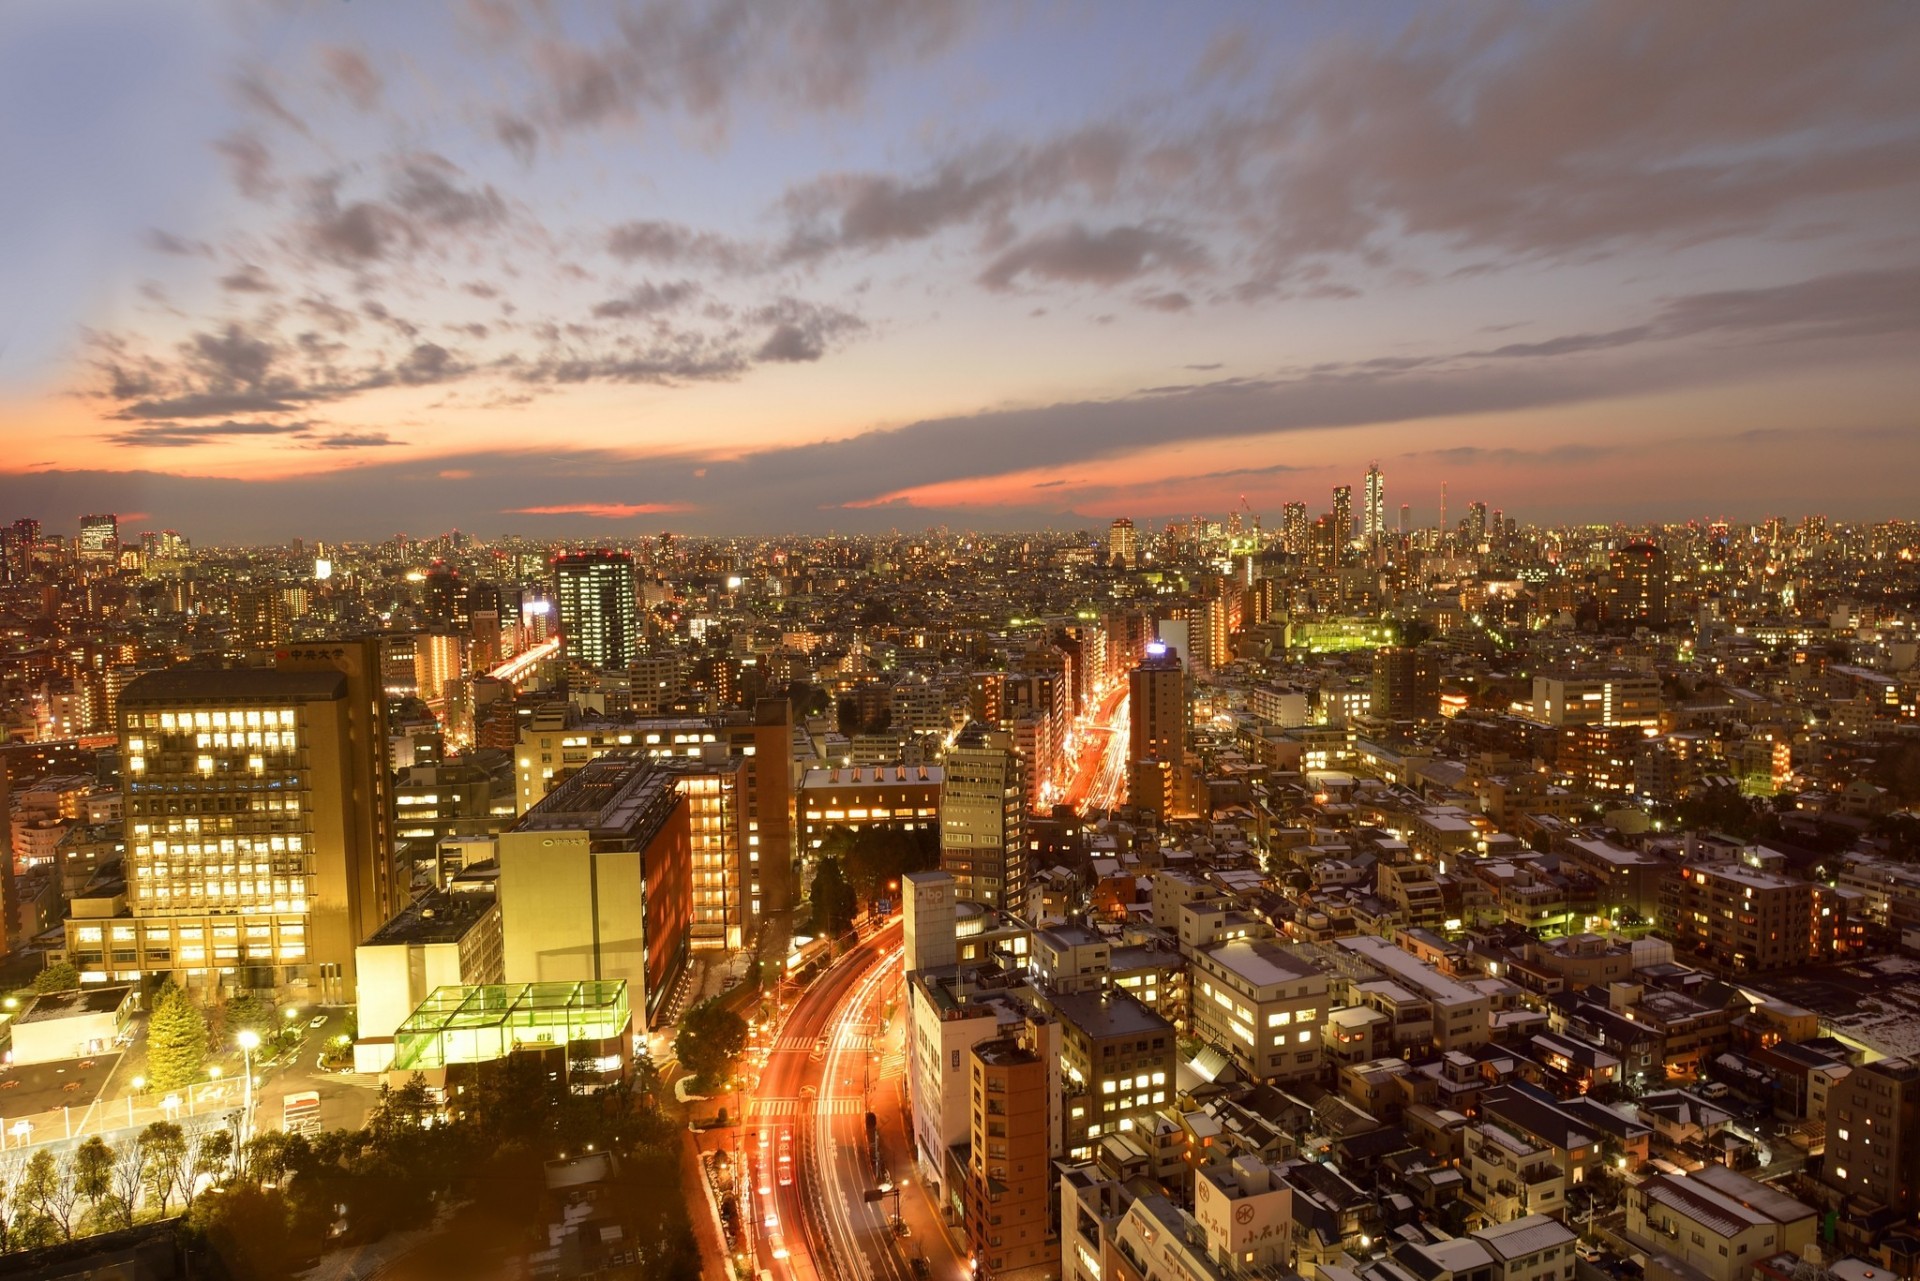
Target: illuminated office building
{"points": [[100, 537], [598, 616], [259, 828]]}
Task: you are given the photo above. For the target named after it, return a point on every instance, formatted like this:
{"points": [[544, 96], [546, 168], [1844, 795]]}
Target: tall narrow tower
{"points": [[1374, 514]]}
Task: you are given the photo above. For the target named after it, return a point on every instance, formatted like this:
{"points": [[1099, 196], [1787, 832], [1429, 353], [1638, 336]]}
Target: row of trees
{"points": [[410, 1160], [96, 1186], [270, 1206]]}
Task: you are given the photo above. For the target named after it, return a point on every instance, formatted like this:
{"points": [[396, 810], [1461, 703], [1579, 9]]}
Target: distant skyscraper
{"points": [[1123, 545], [1637, 585], [1405, 513], [1343, 514], [1293, 529], [1374, 515], [100, 537], [983, 819], [598, 616], [1477, 519]]}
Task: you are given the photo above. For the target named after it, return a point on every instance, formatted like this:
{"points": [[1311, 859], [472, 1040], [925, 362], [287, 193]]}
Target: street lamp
{"points": [[249, 1042]]}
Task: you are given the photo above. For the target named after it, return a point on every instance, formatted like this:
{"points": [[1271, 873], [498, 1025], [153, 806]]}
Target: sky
{"points": [[590, 269]]}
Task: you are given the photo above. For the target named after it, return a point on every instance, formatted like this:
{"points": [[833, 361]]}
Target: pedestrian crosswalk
{"points": [[804, 1107], [808, 1044]]}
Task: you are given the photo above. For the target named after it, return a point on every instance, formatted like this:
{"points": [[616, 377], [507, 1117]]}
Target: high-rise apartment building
{"points": [[100, 537], [259, 828], [1293, 529], [1406, 684], [599, 619], [1009, 1184], [1123, 544], [1873, 1137], [1374, 512], [983, 819], [1342, 516], [1157, 707], [1636, 592]]}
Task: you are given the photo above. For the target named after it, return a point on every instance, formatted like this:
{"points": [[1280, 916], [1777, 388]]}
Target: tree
{"points": [[710, 1038], [164, 1161], [129, 1178], [12, 1166], [271, 1156], [58, 977], [876, 857], [176, 1041], [48, 1190], [208, 1153], [93, 1171], [252, 1230], [832, 898]]}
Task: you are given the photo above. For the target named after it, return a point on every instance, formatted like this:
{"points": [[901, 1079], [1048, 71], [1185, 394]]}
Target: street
{"points": [[1099, 779], [837, 1057]]}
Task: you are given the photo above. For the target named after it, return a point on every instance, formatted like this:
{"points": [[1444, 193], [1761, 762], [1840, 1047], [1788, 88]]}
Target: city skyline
{"points": [[333, 272]]}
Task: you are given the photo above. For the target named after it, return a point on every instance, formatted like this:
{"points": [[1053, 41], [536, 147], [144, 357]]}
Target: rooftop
{"points": [[1522, 1237], [438, 917], [622, 795], [73, 1002], [1261, 962], [1107, 1014], [253, 684]]}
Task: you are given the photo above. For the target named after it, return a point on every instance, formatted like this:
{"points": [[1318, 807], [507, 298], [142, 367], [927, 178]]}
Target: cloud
{"points": [[350, 75], [674, 244], [604, 511], [180, 435], [1511, 134], [519, 137], [1078, 255], [167, 243], [246, 279], [352, 440], [700, 58], [354, 235], [1477, 455], [250, 164], [1170, 300], [424, 203], [1851, 304], [258, 96], [425, 187], [647, 298], [428, 363], [801, 330]]}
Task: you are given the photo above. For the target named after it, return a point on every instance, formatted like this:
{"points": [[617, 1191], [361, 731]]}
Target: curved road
{"points": [[806, 1121]]}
